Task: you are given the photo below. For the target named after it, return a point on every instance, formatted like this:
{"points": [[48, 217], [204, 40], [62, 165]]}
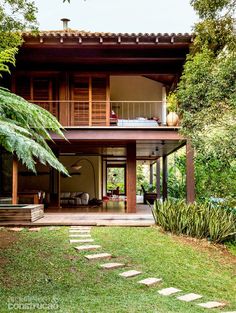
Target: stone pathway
{"points": [[16, 229], [98, 256], [150, 281], [80, 236], [111, 266], [130, 273], [36, 229], [81, 240], [84, 232], [189, 297], [168, 291], [88, 247], [211, 305]]}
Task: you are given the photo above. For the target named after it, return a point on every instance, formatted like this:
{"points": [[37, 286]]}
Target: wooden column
{"points": [[190, 182], [14, 181], [64, 107], [59, 190], [151, 174], [164, 178], [158, 179], [131, 178]]}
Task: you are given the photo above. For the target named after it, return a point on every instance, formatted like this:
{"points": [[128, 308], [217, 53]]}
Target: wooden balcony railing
{"points": [[103, 113]]}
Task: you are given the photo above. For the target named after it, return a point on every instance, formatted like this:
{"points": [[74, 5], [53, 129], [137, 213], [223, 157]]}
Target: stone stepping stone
{"points": [[211, 304], [88, 247], [81, 227], [150, 281], [81, 240], [189, 297], [168, 291], [79, 231], [111, 266], [131, 273], [98, 256], [35, 229], [80, 236], [16, 229]]}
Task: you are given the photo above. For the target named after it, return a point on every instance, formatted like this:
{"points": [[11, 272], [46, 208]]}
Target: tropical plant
{"points": [[196, 220], [172, 102], [24, 129], [208, 85]]}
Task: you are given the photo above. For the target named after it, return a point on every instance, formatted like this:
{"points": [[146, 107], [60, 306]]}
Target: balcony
{"points": [[107, 113]]}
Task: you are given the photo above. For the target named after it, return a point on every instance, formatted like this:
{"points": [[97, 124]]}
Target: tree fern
{"points": [[24, 129], [7, 57]]}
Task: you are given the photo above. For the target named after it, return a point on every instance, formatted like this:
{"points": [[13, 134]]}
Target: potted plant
{"points": [[172, 118]]}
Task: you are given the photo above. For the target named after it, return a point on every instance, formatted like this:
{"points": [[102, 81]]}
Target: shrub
{"points": [[195, 220]]}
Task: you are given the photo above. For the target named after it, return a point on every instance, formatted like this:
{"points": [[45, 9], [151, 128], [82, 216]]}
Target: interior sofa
{"points": [[74, 198]]}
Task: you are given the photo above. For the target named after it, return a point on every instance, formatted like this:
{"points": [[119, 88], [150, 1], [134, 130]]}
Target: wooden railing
{"points": [[103, 113]]}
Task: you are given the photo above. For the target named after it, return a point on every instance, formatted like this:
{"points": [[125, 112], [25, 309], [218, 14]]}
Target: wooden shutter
{"points": [[99, 105], [80, 104], [39, 91], [23, 87], [43, 94]]}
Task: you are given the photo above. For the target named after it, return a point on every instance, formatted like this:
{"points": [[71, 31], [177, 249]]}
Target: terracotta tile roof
{"points": [[82, 33]]}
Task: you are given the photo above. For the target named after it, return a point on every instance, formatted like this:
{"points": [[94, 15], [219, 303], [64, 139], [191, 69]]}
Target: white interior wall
{"points": [[136, 88], [84, 181]]}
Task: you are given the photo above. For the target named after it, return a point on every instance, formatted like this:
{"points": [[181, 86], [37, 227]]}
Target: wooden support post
{"points": [[131, 178], [15, 181], [190, 182], [64, 108], [151, 174], [158, 179], [59, 190], [164, 178]]}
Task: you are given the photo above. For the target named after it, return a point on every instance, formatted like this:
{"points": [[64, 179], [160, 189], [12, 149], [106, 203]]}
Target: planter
{"points": [[172, 119], [21, 212]]}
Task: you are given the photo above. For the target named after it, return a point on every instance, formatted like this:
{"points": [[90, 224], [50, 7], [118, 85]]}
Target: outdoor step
{"points": [[79, 231], [168, 291], [189, 297], [211, 304], [88, 247], [111, 266], [130, 273], [150, 281], [34, 229], [81, 240], [80, 228], [98, 256], [80, 236]]}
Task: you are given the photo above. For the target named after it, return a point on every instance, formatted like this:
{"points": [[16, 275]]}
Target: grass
{"points": [[45, 266]]}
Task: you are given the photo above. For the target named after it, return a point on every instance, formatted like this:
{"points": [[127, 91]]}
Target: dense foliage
{"points": [[24, 127], [207, 97], [212, 178], [196, 220]]}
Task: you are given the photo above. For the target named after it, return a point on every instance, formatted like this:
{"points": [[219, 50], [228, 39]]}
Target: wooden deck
{"points": [[73, 216], [66, 219]]}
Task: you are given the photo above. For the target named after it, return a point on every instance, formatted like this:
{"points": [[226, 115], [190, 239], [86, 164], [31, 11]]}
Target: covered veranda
{"points": [[129, 145]]}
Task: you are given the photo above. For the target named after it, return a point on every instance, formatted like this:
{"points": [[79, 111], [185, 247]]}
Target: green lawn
{"points": [[44, 267]]}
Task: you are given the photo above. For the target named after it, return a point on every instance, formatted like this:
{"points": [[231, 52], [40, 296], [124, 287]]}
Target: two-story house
{"points": [[109, 92]]}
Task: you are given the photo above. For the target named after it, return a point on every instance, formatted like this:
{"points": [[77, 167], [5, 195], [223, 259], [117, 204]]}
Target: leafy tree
{"points": [[207, 90], [24, 127]]}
